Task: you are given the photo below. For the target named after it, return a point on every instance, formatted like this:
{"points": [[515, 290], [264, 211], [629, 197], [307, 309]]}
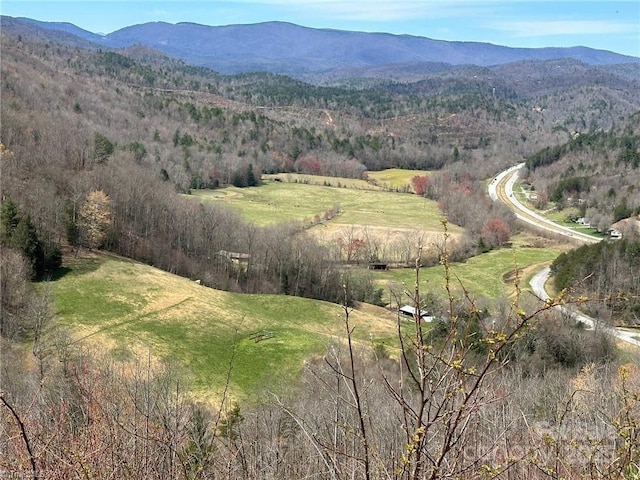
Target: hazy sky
{"points": [[603, 24]]}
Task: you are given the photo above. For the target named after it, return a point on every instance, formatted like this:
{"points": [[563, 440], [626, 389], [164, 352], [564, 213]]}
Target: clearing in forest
{"points": [[395, 177]]}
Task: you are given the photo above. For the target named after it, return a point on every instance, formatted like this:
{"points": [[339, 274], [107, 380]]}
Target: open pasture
{"points": [[395, 177], [132, 310], [490, 275], [322, 180], [279, 202]]}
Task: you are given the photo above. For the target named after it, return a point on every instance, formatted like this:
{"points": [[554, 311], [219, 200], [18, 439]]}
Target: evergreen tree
{"points": [[25, 239], [251, 177], [9, 218], [102, 148]]}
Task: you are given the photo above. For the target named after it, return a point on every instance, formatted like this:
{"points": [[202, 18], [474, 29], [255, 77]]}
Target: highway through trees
{"points": [[501, 189]]}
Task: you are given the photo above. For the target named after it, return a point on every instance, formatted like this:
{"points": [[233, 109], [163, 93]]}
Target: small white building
{"points": [[615, 234], [627, 226], [409, 311], [241, 260]]}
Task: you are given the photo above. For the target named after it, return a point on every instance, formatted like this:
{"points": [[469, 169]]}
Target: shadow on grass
{"points": [[57, 275], [75, 266]]}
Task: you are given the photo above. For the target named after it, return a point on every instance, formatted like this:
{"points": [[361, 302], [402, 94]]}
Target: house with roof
{"points": [[625, 227]]}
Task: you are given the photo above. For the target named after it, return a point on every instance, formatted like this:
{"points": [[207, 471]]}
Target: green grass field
{"points": [[391, 178], [278, 202], [396, 177], [321, 180], [482, 276], [131, 310]]}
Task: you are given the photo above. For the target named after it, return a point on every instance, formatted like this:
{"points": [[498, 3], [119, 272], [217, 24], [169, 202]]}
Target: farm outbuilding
{"points": [[241, 260], [409, 311]]}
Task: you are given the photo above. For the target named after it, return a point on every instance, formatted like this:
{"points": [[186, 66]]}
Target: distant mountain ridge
{"points": [[290, 49]]}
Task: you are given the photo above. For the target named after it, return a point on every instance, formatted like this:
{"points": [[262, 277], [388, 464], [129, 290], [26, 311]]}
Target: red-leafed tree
{"points": [[420, 183], [309, 165], [351, 248], [495, 232]]}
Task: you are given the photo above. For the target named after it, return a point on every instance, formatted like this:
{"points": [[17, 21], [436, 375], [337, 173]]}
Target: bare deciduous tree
{"points": [[95, 218]]}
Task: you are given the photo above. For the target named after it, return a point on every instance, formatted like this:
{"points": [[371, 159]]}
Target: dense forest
{"points": [[100, 150], [607, 272]]}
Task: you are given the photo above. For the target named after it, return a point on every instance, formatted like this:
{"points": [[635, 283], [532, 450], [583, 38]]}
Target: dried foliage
{"points": [[94, 218]]}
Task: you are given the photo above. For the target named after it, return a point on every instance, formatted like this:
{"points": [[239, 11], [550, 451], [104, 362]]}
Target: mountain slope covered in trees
{"points": [[285, 48], [141, 127]]}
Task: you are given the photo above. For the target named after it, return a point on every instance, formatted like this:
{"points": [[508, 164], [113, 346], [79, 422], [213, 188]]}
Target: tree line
{"points": [[607, 271]]}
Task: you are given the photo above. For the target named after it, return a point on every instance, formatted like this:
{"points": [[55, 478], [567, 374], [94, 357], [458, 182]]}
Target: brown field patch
{"points": [[392, 244]]}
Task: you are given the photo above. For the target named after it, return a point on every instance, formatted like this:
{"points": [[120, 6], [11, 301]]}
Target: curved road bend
{"points": [[496, 192], [509, 178]]}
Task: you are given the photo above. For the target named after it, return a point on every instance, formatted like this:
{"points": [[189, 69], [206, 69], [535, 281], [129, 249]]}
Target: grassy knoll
{"points": [[277, 202], [395, 177], [391, 178], [560, 216], [130, 309], [482, 276]]}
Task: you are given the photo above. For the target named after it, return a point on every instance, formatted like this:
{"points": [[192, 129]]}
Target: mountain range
{"points": [[285, 48]]}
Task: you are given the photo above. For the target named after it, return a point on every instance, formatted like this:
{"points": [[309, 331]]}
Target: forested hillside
{"points": [[608, 273], [76, 120], [597, 172], [100, 151]]}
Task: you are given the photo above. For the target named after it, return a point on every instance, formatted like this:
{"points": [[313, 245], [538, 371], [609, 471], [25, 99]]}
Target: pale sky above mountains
{"points": [[601, 24]]}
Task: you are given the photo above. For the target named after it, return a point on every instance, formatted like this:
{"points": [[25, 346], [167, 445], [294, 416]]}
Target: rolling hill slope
{"points": [[131, 310]]}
